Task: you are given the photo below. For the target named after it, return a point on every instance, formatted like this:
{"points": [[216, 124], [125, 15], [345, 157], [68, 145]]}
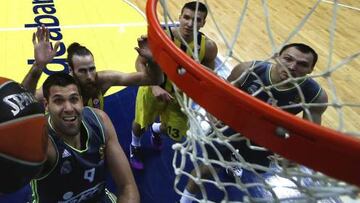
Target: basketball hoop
{"points": [[322, 149]]}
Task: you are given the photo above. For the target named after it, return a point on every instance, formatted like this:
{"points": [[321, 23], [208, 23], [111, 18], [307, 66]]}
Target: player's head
{"points": [[64, 103], [192, 6], [81, 62], [298, 58], [187, 17]]}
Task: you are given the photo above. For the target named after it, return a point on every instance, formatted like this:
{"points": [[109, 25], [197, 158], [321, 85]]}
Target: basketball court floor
{"points": [[109, 29]]}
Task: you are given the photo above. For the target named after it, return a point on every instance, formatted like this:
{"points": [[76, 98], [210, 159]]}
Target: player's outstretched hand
{"points": [[161, 94], [143, 48], [43, 50]]}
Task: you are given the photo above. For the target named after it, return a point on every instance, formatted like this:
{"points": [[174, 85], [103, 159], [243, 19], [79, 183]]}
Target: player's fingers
{"points": [[140, 39], [38, 33], [34, 38], [138, 50], [42, 33], [56, 47], [47, 34], [170, 96], [141, 43]]}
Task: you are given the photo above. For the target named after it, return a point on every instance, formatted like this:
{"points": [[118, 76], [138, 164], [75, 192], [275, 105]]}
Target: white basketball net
{"points": [[282, 181]]}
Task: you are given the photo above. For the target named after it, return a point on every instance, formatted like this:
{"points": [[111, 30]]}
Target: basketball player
{"points": [[83, 144], [293, 61], [154, 101], [82, 66]]}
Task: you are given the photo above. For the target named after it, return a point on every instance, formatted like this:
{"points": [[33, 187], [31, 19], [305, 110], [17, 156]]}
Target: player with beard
{"points": [[93, 84]]}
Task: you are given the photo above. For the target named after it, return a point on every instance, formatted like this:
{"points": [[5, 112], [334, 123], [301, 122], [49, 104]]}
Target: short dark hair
{"points": [[192, 6], [58, 79], [303, 48], [76, 49]]}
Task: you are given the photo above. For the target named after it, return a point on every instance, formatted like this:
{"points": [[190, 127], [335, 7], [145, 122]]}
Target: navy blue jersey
{"points": [[78, 175], [280, 97]]}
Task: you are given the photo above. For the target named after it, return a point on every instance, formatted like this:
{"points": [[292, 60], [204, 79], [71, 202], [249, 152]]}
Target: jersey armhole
{"points": [[316, 95], [253, 63], [100, 122], [51, 168]]}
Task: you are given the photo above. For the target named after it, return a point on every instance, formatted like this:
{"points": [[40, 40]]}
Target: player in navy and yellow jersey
{"points": [[280, 96], [82, 66], [155, 101], [83, 144], [294, 61]]}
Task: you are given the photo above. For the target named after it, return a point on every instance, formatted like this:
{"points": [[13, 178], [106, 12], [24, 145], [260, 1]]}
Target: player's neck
{"points": [[73, 141], [89, 94]]}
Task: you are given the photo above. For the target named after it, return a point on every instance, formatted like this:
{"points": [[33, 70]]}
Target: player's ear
{"points": [[71, 71], [204, 21], [46, 105], [276, 55]]}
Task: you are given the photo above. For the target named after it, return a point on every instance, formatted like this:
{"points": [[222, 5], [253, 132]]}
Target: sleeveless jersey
{"points": [[280, 97], [96, 102], [78, 175], [201, 39]]}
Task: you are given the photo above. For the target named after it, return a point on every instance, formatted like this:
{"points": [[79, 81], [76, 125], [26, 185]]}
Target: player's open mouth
{"points": [[188, 30], [69, 118]]}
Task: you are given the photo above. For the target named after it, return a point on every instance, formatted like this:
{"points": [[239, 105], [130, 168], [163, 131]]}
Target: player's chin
{"points": [[90, 85], [187, 32], [71, 128], [72, 131], [284, 76]]}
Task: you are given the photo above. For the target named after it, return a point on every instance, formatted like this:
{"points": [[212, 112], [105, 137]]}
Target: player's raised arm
{"points": [[43, 54], [149, 73]]}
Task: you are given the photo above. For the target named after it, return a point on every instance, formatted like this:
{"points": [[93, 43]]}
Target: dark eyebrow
{"points": [[89, 67], [288, 55], [74, 94], [303, 62], [57, 96]]}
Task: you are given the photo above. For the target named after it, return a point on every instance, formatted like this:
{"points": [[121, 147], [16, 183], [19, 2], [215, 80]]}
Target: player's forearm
{"points": [[129, 194], [32, 77], [313, 117], [155, 76]]}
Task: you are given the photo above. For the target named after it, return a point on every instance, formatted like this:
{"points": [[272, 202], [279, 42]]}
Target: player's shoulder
{"points": [[98, 112], [211, 47], [209, 42], [242, 66], [323, 97]]}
